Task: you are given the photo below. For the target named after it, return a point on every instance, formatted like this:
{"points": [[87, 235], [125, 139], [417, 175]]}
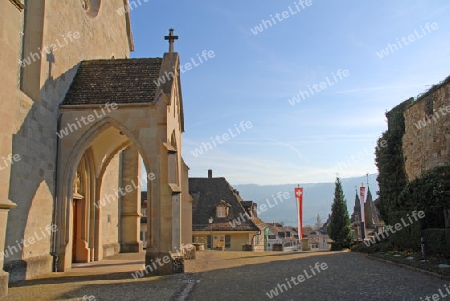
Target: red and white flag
{"points": [[299, 197], [362, 192]]}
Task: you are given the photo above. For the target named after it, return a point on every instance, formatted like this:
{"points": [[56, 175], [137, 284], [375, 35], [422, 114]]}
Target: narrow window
{"points": [[227, 241], [208, 242]]}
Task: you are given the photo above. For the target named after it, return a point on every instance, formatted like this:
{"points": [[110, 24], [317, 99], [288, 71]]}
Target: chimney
{"points": [[209, 173]]}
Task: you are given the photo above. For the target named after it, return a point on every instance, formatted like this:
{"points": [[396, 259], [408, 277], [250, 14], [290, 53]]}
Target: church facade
{"points": [[84, 129]]}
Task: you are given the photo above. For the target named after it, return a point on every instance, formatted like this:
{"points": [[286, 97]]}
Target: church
{"points": [[85, 129], [370, 222]]}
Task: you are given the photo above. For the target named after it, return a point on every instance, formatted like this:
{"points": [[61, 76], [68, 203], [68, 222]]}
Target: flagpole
{"points": [[297, 201], [298, 197], [300, 216], [362, 192], [298, 223]]}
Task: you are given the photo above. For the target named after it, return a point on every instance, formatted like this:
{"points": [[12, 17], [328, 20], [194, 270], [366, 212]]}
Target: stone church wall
{"points": [[186, 206], [110, 211], [10, 113], [29, 123], [426, 142]]}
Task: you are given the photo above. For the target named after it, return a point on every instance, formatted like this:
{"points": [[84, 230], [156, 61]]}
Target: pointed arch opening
{"points": [[102, 207]]}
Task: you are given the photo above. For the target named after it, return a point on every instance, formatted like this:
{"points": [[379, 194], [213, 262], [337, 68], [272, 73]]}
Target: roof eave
{"points": [[90, 106]]}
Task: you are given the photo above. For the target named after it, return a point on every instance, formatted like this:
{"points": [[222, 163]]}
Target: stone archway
{"points": [[112, 105], [82, 211]]}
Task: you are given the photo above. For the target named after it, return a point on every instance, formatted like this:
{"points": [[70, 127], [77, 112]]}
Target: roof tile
{"points": [[115, 80]]}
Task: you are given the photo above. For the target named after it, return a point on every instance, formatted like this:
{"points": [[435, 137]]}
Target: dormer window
{"points": [[222, 209]]}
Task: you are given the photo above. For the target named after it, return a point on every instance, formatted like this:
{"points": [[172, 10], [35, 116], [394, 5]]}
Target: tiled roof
{"points": [[259, 223], [279, 230], [115, 80], [206, 193]]}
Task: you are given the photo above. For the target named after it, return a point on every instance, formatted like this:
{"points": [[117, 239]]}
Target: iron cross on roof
{"points": [[171, 39]]}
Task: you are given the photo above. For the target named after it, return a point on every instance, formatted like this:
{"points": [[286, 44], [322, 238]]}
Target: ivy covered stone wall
{"points": [[414, 170]]}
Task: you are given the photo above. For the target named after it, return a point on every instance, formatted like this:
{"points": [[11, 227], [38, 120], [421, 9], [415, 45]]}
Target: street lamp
{"points": [[210, 220]]}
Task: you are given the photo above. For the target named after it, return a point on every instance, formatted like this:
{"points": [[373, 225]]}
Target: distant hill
{"points": [[317, 198]]}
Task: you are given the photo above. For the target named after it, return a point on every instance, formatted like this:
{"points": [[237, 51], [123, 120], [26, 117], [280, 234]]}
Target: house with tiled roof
{"points": [[219, 217], [285, 235], [276, 235], [319, 242], [292, 239]]}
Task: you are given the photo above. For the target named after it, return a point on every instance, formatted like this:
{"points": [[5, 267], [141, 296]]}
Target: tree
{"points": [[389, 159], [339, 227], [319, 222]]}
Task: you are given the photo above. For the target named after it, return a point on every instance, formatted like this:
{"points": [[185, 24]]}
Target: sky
{"points": [[302, 97]]}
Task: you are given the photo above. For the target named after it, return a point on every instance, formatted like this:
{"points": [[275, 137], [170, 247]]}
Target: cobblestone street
{"points": [[237, 276]]}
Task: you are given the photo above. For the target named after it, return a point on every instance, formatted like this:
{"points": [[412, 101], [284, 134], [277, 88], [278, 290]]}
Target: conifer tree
{"points": [[339, 227]]}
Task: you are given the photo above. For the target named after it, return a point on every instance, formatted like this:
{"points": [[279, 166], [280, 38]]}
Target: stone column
{"points": [[131, 202], [305, 244], [163, 255], [176, 219], [5, 206]]}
